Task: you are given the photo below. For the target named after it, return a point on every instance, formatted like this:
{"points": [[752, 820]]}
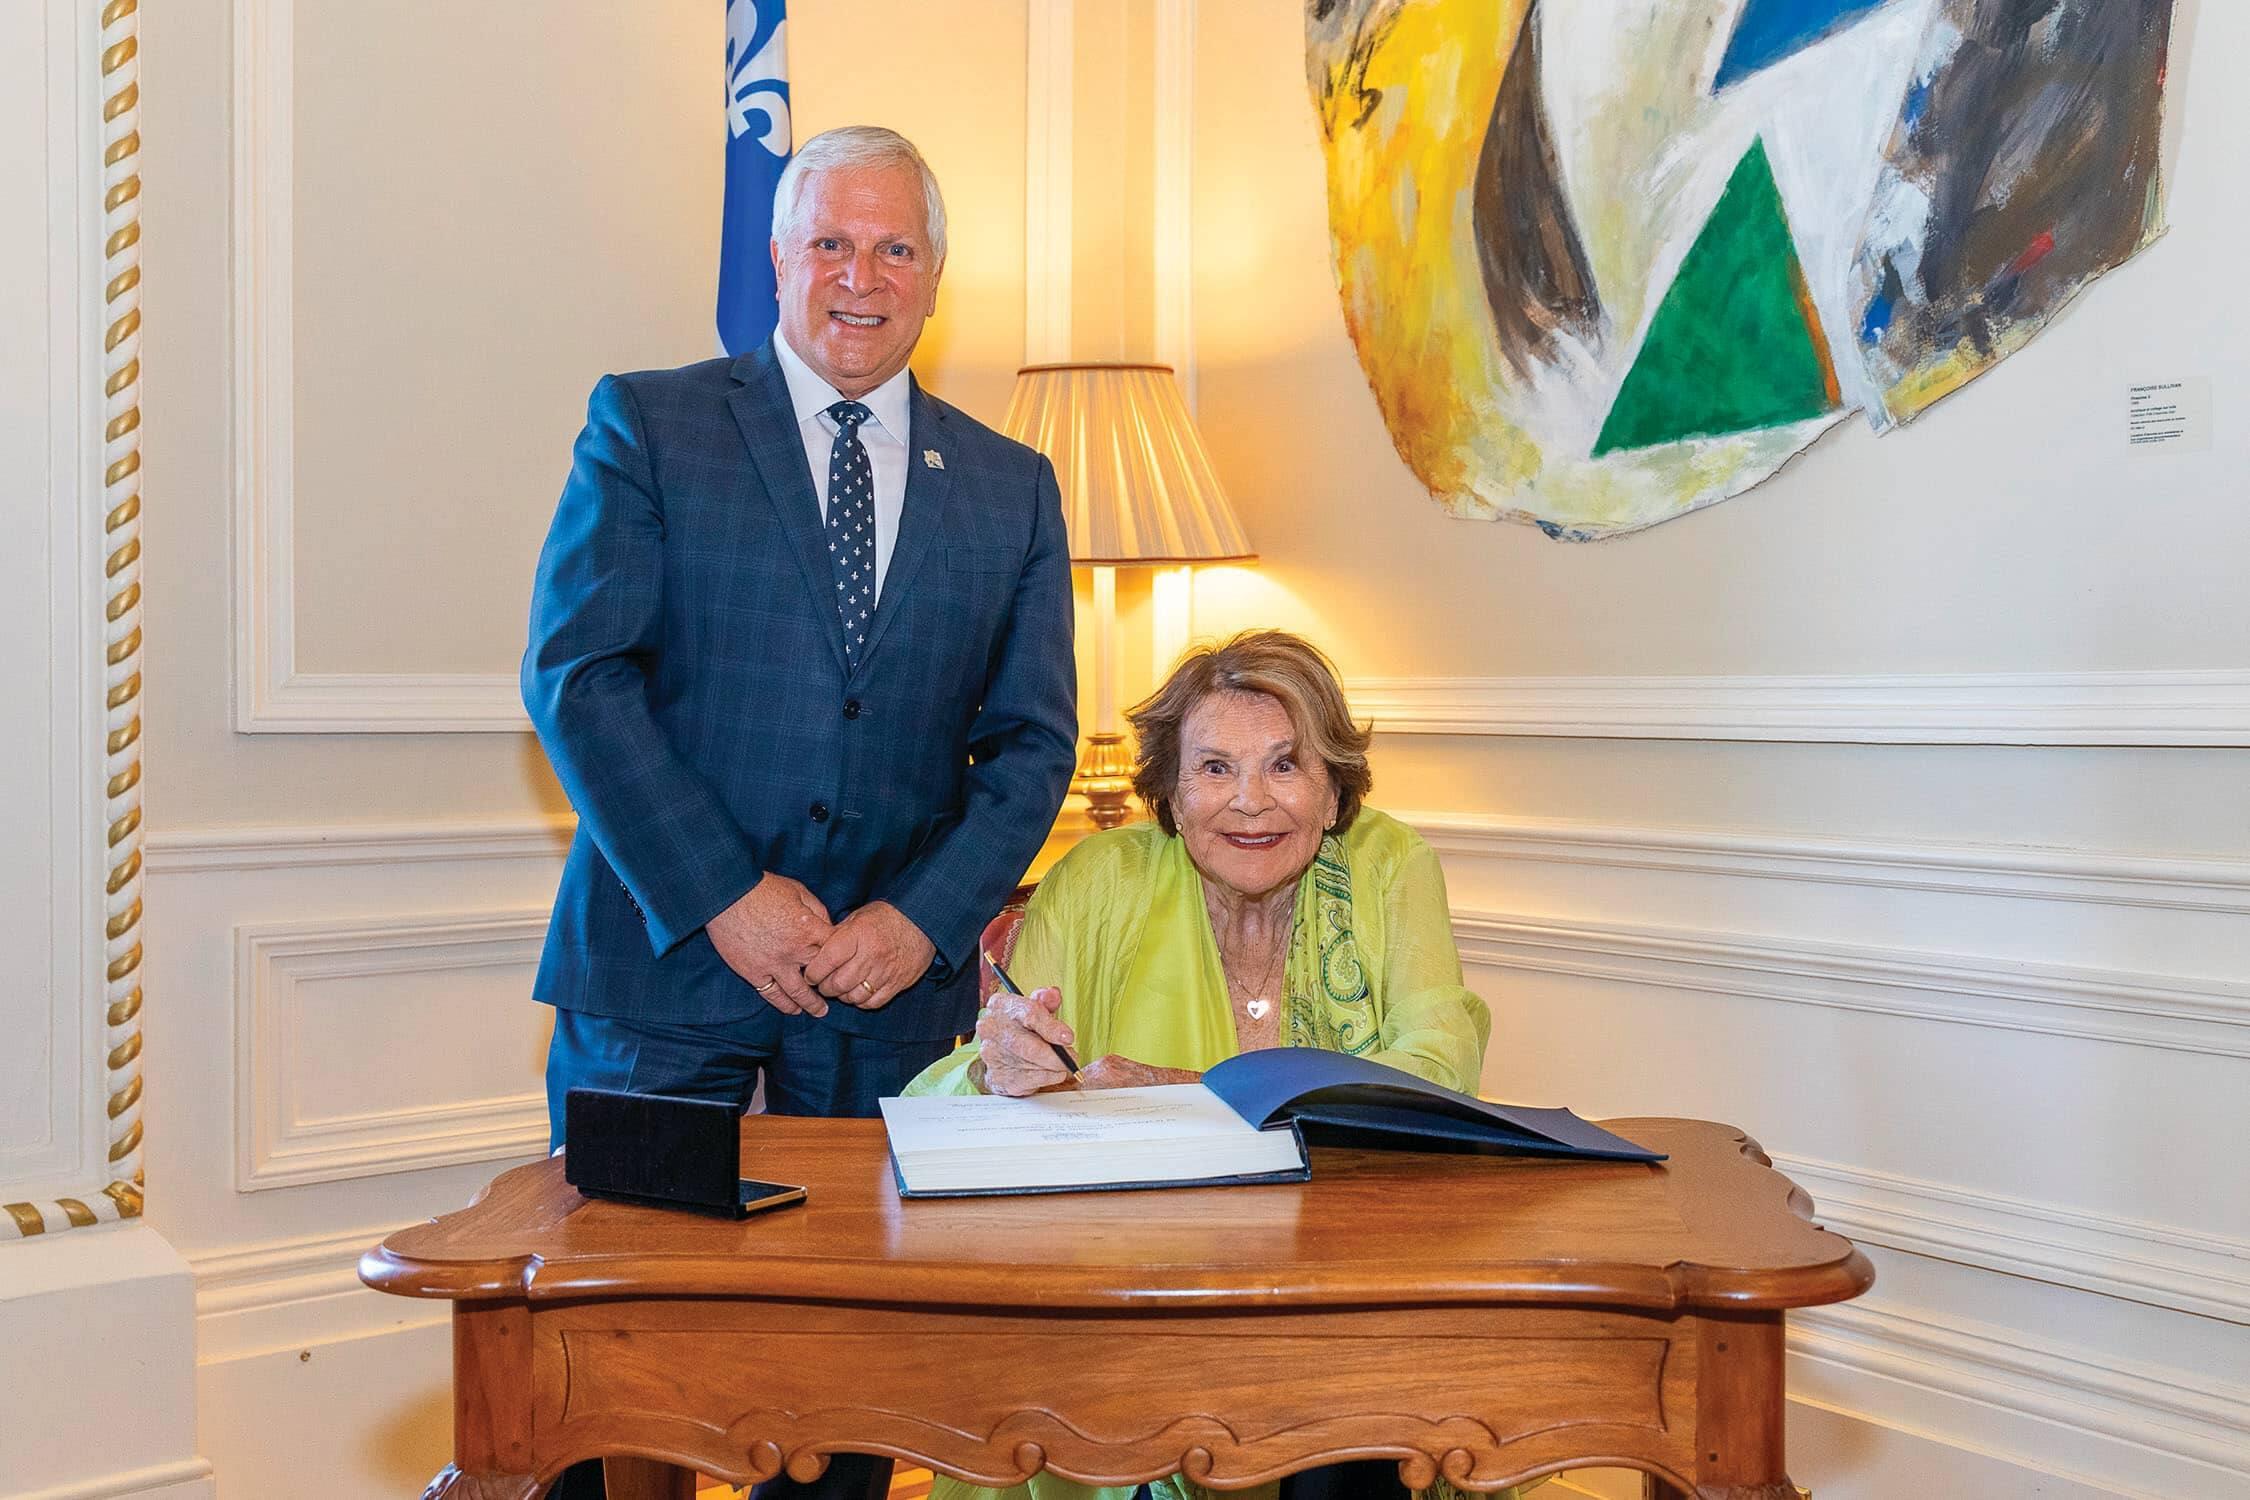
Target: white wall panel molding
{"points": [[251, 1276], [1050, 42], [71, 931], [2041, 1404], [295, 1293], [284, 1060], [51, 365], [2160, 1265], [271, 695], [184, 851], [2175, 1013], [2023, 708], [2178, 882]]}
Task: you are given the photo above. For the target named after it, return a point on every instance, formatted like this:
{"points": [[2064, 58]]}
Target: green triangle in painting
{"points": [[1736, 343]]}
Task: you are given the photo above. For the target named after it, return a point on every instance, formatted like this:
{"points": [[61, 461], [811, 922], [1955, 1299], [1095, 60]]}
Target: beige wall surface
{"points": [[2010, 530], [490, 211], [949, 74], [420, 231], [486, 208], [39, 1129], [1940, 981], [1903, 965], [460, 282]]}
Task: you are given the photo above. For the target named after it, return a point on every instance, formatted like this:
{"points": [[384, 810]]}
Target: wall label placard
{"points": [[2170, 415]]}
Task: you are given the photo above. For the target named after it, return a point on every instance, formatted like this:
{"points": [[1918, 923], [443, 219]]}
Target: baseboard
{"points": [[2157, 1265], [2027, 1401], [1575, 1486], [189, 1479], [293, 1294]]}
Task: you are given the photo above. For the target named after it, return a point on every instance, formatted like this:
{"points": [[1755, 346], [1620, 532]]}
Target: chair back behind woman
{"points": [[999, 940]]}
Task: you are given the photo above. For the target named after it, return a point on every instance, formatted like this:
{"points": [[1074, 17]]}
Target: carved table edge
{"points": [[1682, 1287]]}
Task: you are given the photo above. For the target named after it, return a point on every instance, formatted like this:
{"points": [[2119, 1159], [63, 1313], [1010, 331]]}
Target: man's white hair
{"points": [[850, 146]]}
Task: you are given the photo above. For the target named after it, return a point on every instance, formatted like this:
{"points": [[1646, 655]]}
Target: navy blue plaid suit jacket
{"points": [[686, 675]]}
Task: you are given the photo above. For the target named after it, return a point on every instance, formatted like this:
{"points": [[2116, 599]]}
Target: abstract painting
{"points": [[1606, 263]]}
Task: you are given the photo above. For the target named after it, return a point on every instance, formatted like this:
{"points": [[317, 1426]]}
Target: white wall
{"points": [[1974, 975], [48, 1142], [391, 249], [85, 1413], [386, 260]]}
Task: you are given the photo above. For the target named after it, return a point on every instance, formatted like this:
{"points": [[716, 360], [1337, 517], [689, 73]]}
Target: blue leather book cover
{"points": [[1339, 1100]]}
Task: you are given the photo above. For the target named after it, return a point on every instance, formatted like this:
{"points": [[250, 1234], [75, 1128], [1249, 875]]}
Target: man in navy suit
{"points": [[800, 653]]}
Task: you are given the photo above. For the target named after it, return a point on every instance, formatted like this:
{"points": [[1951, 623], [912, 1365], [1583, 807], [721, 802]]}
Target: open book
{"points": [[1247, 1121]]}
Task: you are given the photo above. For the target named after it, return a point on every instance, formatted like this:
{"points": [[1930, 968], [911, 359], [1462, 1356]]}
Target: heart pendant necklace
{"points": [[1260, 1004], [1256, 999]]}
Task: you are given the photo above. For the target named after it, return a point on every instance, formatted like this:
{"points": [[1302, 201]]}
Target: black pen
{"points": [[1010, 986]]}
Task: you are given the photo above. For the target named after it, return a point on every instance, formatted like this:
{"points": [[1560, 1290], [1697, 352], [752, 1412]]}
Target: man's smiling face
{"points": [[857, 275]]}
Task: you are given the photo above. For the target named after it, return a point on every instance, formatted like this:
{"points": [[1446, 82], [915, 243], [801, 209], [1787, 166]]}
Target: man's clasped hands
{"points": [[780, 939]]}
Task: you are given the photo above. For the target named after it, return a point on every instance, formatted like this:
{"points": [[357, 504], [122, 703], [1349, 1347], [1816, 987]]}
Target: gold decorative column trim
{"points": [[119, 502]]}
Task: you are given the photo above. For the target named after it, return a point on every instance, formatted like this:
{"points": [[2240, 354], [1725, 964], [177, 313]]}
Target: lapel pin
{"points": [[933, 458]]}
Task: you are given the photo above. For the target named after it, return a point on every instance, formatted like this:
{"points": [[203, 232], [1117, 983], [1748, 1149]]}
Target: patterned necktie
{"points": [[851, 526]]}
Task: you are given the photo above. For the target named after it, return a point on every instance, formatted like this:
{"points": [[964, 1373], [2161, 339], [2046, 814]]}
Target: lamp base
{"points": [[1105, 778]]}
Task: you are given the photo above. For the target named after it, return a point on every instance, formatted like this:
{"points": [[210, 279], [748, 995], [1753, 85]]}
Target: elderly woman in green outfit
{"points": [[1266, 906]]}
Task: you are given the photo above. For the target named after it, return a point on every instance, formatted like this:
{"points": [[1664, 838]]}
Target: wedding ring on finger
{"points": [[863, 984]]}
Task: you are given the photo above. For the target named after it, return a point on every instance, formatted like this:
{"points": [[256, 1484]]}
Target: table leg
{"points": [[491, 1405], [646, 1479], [1740, 1403]]}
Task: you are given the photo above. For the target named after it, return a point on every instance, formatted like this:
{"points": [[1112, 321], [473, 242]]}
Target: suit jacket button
{"points": [[851, 708], [820, 812]]}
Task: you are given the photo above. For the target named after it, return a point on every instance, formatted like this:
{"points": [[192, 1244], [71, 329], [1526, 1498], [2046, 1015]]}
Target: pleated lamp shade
{"points": [[1137, 487]]}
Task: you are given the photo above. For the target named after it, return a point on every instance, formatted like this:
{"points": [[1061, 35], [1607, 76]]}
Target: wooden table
{"points": [[1485, 1318]]}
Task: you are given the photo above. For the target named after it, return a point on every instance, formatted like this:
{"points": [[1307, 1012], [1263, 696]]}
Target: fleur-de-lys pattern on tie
{"points": [[851, 526]]}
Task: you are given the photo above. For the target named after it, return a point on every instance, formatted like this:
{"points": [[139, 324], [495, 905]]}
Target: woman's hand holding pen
{"points": [[1023, 1046], [1018, 1037], [1113, 1071]]}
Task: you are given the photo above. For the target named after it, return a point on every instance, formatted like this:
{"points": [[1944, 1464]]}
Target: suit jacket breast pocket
{"points": [[974, 594], [982, 580]]}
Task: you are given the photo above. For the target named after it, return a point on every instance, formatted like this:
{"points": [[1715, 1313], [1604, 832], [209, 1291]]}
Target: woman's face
{"points": [[1251, 811]]}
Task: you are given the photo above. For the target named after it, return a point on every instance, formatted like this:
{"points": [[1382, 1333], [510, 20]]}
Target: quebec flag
{"points": [[758, 145]]}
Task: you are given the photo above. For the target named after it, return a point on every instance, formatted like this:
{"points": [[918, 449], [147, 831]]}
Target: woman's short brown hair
{"points": [[1286, 668]]}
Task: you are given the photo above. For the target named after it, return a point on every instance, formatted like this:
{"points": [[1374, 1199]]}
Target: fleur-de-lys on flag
{"points": [[758, 146]]}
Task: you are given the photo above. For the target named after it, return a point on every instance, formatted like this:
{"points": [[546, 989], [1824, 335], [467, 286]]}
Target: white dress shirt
{"points": [[883, 435]]}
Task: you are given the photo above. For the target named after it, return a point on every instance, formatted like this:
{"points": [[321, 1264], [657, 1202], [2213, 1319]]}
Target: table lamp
{"points": [[1138, 491]]}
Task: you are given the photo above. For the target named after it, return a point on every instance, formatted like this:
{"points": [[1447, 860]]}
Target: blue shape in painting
{"points": [[1917, 103], [758, 147], [1882, 308], [1770, 30]]}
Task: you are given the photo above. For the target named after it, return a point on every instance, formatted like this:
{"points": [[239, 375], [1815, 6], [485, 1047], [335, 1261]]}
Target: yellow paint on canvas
{"points": [[1405, 97], [1400, 190]]}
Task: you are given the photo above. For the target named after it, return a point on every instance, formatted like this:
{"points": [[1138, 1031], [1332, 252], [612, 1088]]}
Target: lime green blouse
{"points": [[1120, 927]]}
